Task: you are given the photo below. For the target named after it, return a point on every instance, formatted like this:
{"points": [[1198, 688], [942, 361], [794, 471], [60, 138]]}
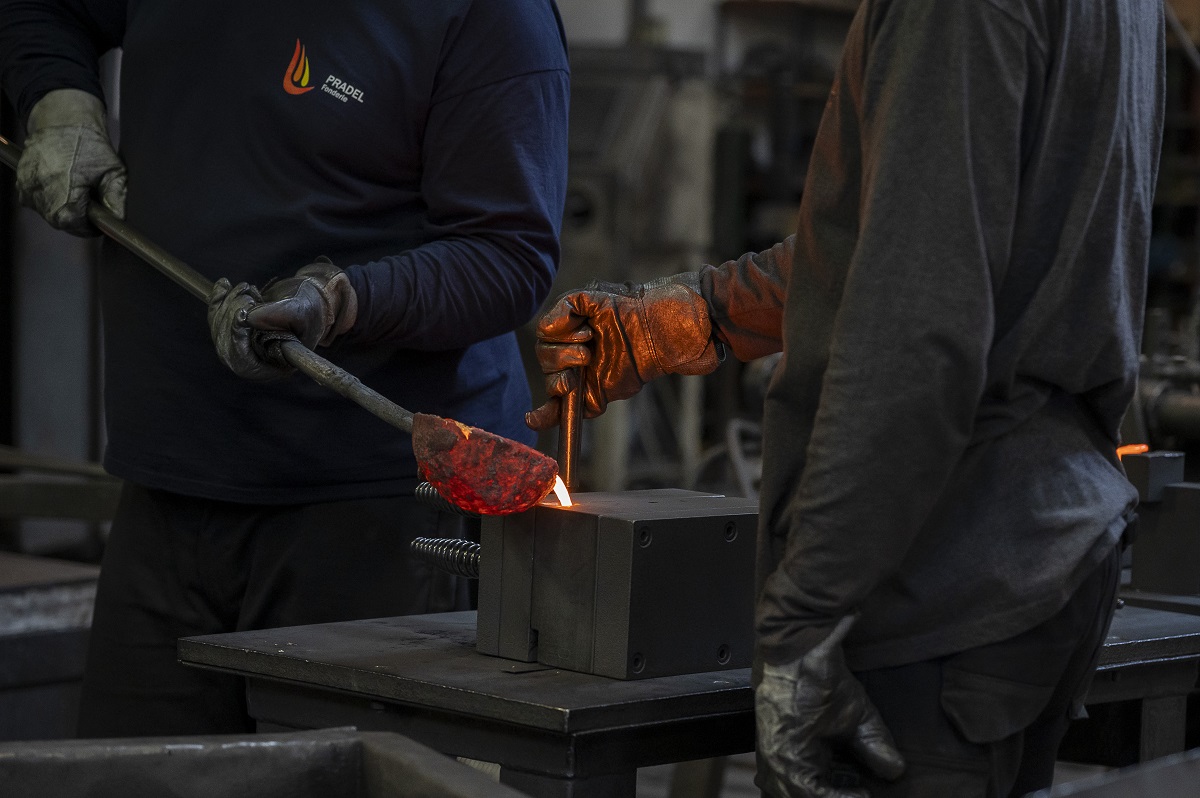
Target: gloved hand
{"points": [[316, 305], [802, 707], [67, 156], [622, 336]]}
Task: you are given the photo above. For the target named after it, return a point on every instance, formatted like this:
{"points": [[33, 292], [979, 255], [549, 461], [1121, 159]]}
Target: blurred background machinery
{"points": [[681, 157], [1166, 413], [639, 201]]}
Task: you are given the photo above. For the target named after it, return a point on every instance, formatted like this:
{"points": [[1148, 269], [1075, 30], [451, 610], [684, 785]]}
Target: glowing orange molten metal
{"points": [[1133, 448], [479, 471], [560, 490]]}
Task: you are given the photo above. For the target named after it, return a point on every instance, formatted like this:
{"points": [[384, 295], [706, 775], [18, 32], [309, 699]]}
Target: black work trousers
{"points": [[177, 566], [987, 722]]}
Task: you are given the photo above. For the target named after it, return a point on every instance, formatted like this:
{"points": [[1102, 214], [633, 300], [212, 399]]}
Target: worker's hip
{"points": [[988, 721]]}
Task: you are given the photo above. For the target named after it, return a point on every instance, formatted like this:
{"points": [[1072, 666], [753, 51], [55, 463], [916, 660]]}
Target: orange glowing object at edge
{"points": [[560, 490], [1133, 448]]}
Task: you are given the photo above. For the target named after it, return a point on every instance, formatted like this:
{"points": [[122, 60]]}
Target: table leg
{"points": [[1164, 721], [619, 785], [701, 778]]}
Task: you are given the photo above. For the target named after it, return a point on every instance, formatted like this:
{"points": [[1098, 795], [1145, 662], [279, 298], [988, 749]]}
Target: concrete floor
{"points": [[738, 782], [739, 778]]}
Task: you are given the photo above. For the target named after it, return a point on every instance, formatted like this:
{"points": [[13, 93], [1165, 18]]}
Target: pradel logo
{"points": [[295, 80]]}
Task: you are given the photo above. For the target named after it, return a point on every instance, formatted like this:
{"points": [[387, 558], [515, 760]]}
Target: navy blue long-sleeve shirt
{"points": [[421, 146]]}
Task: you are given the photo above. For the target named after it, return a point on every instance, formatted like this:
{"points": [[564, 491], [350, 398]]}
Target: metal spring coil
{"points": [[428, 495], [459, 557]]}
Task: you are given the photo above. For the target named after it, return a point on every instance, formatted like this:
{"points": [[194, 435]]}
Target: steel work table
{"points": [[554, 732], [1151, 656], [560, 734]]}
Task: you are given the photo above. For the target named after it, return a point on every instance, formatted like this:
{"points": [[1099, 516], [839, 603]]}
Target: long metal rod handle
{"points": [[185, 276], [341, 381], [297, 354], [9, 153], [191, 280], [569, 420]]}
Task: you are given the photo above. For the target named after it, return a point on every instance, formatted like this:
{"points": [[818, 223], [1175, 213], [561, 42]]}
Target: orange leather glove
{"points": [[621, 336]]}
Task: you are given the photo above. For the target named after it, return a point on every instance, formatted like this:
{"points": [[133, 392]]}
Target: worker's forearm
{"points": [[745, 297], [495, 206]]}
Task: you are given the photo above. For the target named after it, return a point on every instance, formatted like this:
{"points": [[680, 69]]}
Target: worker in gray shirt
{"points": [[960, 315]]}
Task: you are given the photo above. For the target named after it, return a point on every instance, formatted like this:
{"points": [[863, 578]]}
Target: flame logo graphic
{"points": [[295, 80]]}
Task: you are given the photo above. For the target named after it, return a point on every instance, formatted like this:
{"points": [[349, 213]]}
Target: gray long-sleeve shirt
{"points": [[962, 324]]}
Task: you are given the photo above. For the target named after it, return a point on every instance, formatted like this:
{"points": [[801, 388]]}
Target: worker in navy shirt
{"points": [[960, 313], [385, 180]]}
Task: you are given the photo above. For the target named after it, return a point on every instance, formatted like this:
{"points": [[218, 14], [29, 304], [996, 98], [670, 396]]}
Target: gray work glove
{"points": [[316, 305], [803, 707], [67, 158], [622, 336]]}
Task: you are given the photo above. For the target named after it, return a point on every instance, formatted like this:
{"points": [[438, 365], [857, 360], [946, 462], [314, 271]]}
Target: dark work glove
{"points": [[622, 336], [802, 707], [68, 156], [316, 305]]}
